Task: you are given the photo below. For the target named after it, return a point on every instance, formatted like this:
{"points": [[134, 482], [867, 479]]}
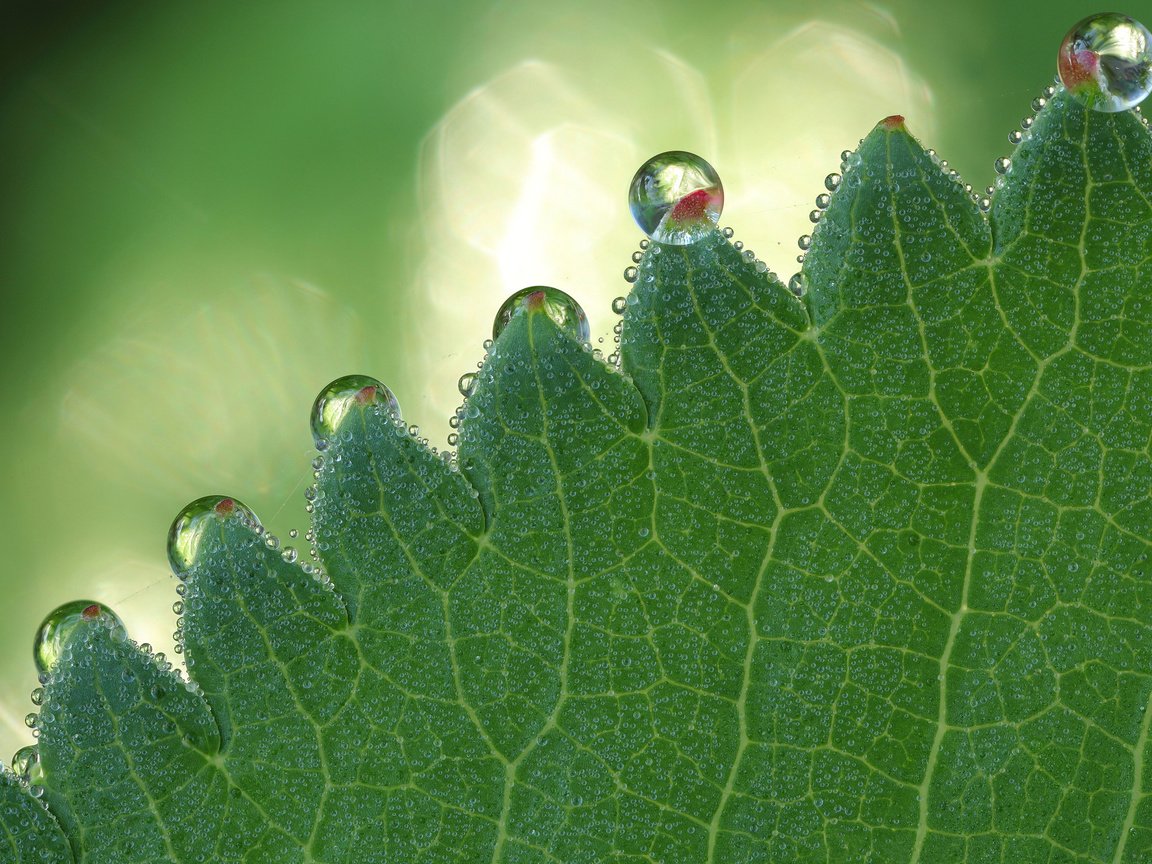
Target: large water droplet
{"points": [[341, 397], [61, 623], [1105, 61], [26, 764], [561, 308], [188, 528], [676, 198]]}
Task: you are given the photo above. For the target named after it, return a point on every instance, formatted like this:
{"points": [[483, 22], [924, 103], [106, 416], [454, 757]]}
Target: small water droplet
{"points": [[1105, 61], [290, 554], [31, 720], [561, 308], [738, 245], [805, 242], [728, 232], [619, 305], [796, 284], [1026, 123], [194, 520], [815, 216], [341, 398], [61, 623], [1015, 136], [676, 198], [630, 274], [645, 243], [832, 182], [37, 696], [1038, 103], [823, 200], [466, 385], [1003, 165], [453, 439], [637, 257], [985, 204]]}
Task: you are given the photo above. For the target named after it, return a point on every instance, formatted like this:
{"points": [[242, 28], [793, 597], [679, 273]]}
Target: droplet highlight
{"points": [[59, 626], [1105, 61], [189, 527], [561, 308], [676, 198]]}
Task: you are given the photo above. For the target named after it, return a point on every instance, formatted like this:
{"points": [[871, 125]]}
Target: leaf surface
{"points": [[860, 576]]}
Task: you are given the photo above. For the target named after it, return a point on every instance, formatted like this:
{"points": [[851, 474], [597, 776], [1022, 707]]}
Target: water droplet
{"points": [[37, 696], [619, 305], [336, 401], [846, 155], [1015, 136], [561, 308], [1038, 103], [805, 242], [630, 274], [728, 232], [738, 245], [26, 763], [188, 528], [796, 284], [645, 243], [466, 385], [1105, 61], [1003, 165], [676, 198], [290, 554], [985, 204], [637, 257], [1026, 123], [453, 439], [31, 720], [823, 200], [61, 623], [815, 216]]}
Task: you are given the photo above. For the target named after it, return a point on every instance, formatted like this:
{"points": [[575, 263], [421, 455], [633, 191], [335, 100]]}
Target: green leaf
{"points": [[857, 577]]}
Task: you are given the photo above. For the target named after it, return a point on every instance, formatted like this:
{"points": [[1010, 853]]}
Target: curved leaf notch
{"points": [[860, 576]]}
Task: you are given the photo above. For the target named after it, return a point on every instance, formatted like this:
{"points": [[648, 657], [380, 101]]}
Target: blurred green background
{"points": [[208, 210]]}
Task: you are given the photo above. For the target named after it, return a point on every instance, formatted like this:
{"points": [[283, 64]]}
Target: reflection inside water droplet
{"points": [[676, 198], [560, 307], [1105, 61], [340, 398], [189, 528], [62, 622]]}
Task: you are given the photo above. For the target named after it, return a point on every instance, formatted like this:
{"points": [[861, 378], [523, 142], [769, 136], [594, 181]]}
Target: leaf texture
{"points": [[860, 576]]}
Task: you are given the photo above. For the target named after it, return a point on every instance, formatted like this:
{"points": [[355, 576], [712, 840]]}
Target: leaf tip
{"points": [[893, 123]]}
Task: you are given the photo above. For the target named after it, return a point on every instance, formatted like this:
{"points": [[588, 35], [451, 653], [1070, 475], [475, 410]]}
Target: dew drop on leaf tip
{"points": [[1105, 61], [676, 198], [564, 311], [61, 624], [189, 527], [340, 398]]}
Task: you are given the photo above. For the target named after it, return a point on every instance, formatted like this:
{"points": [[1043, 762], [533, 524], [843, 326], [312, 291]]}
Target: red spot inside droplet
{"points": [[366, 394], [692, 207], [893, 122], [1077, 68], [92, 612], [224, 507], [534, 302]]}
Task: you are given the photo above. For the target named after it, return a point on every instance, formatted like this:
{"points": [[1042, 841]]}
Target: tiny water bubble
{"points": [[738, 245], [1038, 103], [985, 204], [466, 385], [805, 242], [631, 274], [823, 200], [453, 439], [815, 216], [637, 257], [619, 305], [59, 626], [37, 696], [1026, 123], [796, 284], [1002, 165], [1105, 62], [1015, 136], [728, 232], [832, 182], [676, 198], [564, 311], [290, 554]]}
